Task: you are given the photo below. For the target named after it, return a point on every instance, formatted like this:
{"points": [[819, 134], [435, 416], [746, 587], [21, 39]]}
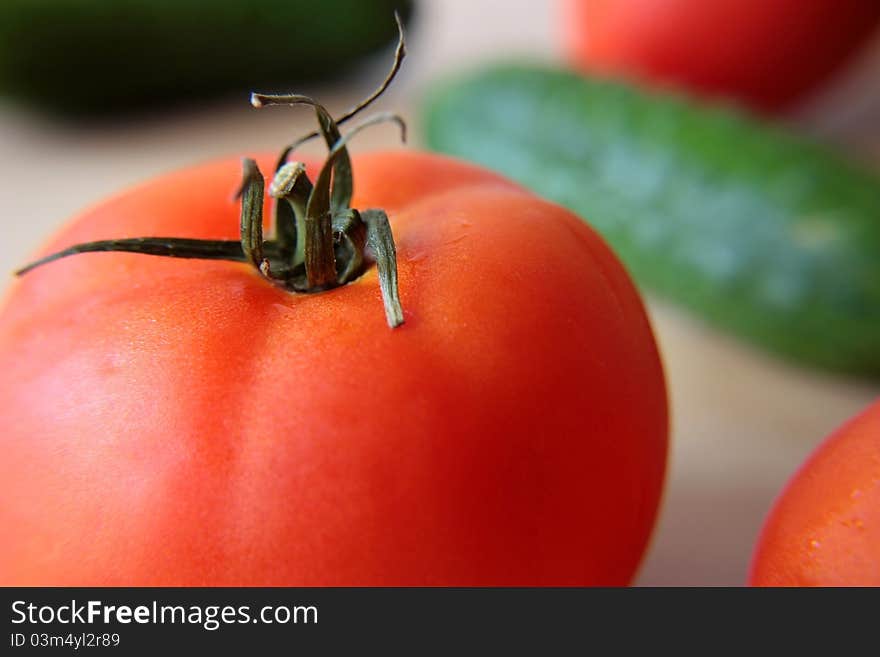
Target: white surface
{"points": [[742, 421]]}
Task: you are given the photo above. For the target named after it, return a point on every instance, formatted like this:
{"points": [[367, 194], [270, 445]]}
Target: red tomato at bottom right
{"points": [[824, 530]]}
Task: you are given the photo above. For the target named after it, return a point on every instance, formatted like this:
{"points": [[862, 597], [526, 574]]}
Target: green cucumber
{"points": [[100, 56], [762, 233]]}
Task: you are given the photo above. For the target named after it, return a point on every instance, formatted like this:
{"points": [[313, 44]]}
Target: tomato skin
{"points": [[824, 530], [173, 422], [766, 53]]}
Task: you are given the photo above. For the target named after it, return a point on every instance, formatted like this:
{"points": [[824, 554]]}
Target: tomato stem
{"points": [[294, 187], [170, 247], [399, 55], [252, 214], [320, 241]]}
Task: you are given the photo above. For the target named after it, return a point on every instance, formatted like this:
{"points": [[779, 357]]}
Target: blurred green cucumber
{"points": [[762, 233], [88, 56]]}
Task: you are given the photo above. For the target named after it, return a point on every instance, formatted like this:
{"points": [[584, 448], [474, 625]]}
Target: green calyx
{"points": [[319, 241]]}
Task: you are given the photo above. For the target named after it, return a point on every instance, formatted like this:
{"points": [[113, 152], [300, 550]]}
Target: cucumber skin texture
{"points": [[766, 235], [94, 56]]}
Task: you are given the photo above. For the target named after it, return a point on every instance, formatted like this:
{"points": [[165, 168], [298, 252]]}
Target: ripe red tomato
{"points": [[766, 53], [171, 422], [825, 528]]}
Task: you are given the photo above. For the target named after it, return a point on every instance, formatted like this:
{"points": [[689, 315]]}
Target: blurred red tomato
{"points": [[766, 53], [825, 528]]}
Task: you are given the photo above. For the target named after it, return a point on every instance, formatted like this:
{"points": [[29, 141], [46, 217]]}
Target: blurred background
{"points": [[742, 420]]}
